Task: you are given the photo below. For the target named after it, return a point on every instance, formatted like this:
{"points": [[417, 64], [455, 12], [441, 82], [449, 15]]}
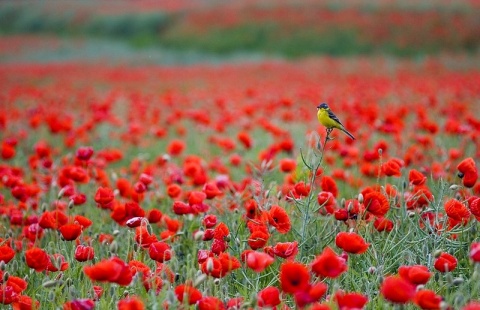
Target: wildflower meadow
{"points": [[212, 185]]}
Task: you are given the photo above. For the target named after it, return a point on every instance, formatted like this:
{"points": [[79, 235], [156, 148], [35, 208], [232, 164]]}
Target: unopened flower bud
{"points": [[198, 235], [209, 265], [114, 247], [360, 198], [454, 187], [52, 283]]}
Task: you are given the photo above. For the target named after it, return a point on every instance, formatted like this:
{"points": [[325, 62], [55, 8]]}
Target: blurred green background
{"points": [[279, 28]]}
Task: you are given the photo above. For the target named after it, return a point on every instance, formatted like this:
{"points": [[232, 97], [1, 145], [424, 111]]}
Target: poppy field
{"points": [[214, 186], [167, 155]]}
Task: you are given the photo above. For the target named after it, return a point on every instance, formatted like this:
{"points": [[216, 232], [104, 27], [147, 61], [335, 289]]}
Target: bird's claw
{"points": [[329, 131]]}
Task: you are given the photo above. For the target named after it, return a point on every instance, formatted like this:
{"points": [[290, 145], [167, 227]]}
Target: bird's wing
{"points": [[334, 117]]}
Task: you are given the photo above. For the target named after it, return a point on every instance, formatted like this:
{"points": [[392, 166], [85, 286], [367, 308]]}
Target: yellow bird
{"points": [[329, 120]]}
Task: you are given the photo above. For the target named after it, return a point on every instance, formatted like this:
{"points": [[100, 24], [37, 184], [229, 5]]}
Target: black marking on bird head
{"points": [[323, 106]]}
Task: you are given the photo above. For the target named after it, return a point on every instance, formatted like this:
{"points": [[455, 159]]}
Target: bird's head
{"points": [[323, 106]]}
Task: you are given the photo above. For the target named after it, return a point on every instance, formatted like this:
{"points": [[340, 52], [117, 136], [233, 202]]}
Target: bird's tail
{"points": [[348, 134]]}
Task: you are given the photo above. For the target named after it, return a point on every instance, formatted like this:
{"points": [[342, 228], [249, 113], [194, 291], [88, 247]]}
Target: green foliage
{"points": [[267, 36], [128, 26]]}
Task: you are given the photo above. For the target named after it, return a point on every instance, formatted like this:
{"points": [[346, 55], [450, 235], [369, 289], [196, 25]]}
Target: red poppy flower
{"points": [[209, 221], [251, 208], [112, 270], [229, 262], [392, 167], [445, 263], [397, 290], [83, 221], [218, 246], [376, 203], [18, 284], [288, 164], [143, 237], [416, 274], [121, 213], [97, 291], [84, 253], [420, 197], [328, 264], [104, 197], [234, 303], [341, 214], [268, 297], [138, 266], [473, 305], [139, 187], [210, 303], [212, 266], [76, 173], [427, 299], [37, 259], [221, 231], [279, 218], [188, 293], [196, 197], [175, 147], [57, 263], [6, 254], [154, 216], [258, 239], [160, 251], [84, 153], [7, 295], [70, 231], [415, 177], [33, 232], [312, 294], [327, 202], [7, 151], [347, 301], [245, 139], [474, 206], [475, 252], [174, 190], [383, 224], [457, 210], [294, 277], [24, 302], [302, 189], [286, 250], [468, 172], [258, 261], [182, 208], [328, 184], [77, 304], [351, 243], [211, 190], [124, 187], [78, 199], [130, 303], [53, 220]]}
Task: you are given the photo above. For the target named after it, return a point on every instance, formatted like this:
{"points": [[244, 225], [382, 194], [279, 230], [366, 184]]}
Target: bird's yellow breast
{"points": [[325, 120]]}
